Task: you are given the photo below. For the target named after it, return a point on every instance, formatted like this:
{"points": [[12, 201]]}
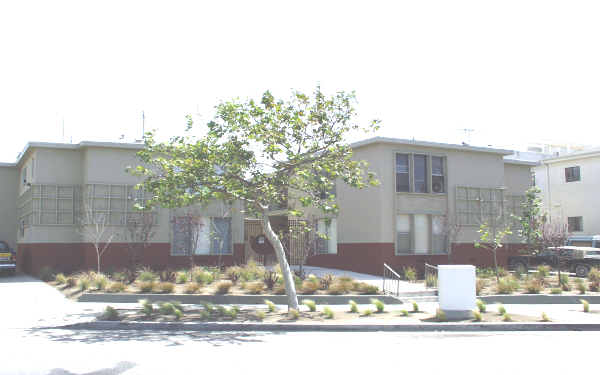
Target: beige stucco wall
{"points": [[107, 165], [8, 205], [563, 199], [517, 178], [370, 215], [57, 166]]}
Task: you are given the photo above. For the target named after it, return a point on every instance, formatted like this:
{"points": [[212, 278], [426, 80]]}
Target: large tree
{"points": [[267, 154]]}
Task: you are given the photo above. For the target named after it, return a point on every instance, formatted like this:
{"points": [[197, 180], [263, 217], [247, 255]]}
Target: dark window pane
{"points": [[572, 174], [575, 224], [437, 166], [420, 173], [221, 235], [402, 179]]}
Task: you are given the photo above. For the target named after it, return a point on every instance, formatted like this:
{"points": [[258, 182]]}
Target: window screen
{"points": [[420, 173], [402, 179], [572, 174], [403, 234], [437, 174]]}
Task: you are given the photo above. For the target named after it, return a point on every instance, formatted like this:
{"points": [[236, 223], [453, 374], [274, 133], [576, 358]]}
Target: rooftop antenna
{"points": [[468, 134]]}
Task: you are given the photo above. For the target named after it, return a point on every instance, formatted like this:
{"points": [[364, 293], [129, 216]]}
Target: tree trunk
{"points": [[496, 266], [98, 255], [290, 287]]}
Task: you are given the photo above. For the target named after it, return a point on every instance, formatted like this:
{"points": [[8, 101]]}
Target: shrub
{"points": [[326, 281], [279, 289], [178, 314], [147, 286], [366, 288], [110, 313], [233, 273], [270, 305], [502, 272], [507, 285], [145, 274], [293, 313], [415, 306], [309, 286], [60, 279], [208, 307], [586, 305], [564, 278], [545, 317], [477, 315], [116, 287], [202, 276], [46, 273], [404, 312], [410, 274], [232, 312], [534, 286], [100, 281], [312, 306], [506, 317], [353, 306], [182, 277], [251, 271], [485, 272], [431, 280], [480, 305], [71, 282], [223, 286], [126, 276], [380, 306], [367, 312], [581, 287], [501, 309], [167, 275], [440, 315], [255, 287], [594, 275], [542, 272], [147, 307], [270, 278], [191, 288], [479, 285], [594, 286], [328, 312], [166, 287], [166, 308], [83, 282], [260, 315], [555, 291], [339, 287]]}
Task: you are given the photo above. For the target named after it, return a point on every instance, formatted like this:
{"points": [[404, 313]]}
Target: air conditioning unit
{"points": [[437, 187]]}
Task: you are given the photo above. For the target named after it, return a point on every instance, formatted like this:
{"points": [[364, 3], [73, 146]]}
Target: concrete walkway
{"points": [[405, 287]]}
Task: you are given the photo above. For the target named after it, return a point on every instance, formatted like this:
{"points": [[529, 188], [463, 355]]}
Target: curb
{"points": [[278, 327], [228, 299], [539, 299]]}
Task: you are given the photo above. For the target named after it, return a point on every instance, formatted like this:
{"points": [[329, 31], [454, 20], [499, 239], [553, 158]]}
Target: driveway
{"points": [[28, 302]]}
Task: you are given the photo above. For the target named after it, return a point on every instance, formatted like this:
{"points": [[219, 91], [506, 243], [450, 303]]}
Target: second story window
{"points": [[575, 223], [572, 174], [420, 173]]}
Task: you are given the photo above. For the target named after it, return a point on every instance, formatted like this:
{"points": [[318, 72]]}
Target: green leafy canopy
{"points": [[266, 154]]}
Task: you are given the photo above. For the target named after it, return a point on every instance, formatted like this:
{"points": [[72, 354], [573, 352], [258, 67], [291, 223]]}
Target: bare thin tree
{"points": [[451, 230], [139, 231], [95, 228], [554, 234]]}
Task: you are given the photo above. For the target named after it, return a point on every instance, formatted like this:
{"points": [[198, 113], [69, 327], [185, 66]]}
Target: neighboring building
{"points": [[425, 189], [570, 186]]}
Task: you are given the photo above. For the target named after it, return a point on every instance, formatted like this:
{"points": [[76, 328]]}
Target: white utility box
{"points": [[456, 290]]}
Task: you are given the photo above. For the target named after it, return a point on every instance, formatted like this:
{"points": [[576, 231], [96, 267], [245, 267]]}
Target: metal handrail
{"points": [[392, 277], [433, 270]]}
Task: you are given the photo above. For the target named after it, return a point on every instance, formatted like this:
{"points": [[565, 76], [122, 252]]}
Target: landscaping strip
{"points": [[291, 327], [230, 299], [539, 299]]}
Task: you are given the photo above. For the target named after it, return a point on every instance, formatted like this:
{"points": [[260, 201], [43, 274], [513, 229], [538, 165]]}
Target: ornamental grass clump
{"points": [[353, 307], [191, 288], [309, 286], [328, 312], [255, 287], [556, 291], [147, 307], [477, 315], [586, 305], [110, 313], [431, 280], [506, 317], [339, 287], [147, 286], [60, 278], [270, 306], [145, 274], [404, 312], [233, 273], [507, 285], [479, 285], [542, 272], [100, 281], [594, 279], [312, 305], [166, 287], [440, 315], [534, 286], [223, 286], [202, 276], [116, 287], [83, 282], [293, 314], [182, 277], [415, 307], [410, 274], [380, 306], [480, 306], [545, 317], [71, 282], [580, 285], [501, 309]]}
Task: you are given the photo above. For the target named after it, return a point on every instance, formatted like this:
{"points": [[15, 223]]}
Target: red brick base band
{"points": [[71, 257], [369, 257]]}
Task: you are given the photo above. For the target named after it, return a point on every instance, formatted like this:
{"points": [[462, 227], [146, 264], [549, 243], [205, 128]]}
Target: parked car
{"points": [[576, 259], [8, 259], [584, 241]]}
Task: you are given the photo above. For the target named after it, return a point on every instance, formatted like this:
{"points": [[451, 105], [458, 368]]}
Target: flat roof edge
{"points": [[449, 146], [520, 162]]}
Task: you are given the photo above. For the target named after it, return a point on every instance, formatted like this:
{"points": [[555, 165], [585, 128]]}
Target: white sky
{"points": [[514, 71]]}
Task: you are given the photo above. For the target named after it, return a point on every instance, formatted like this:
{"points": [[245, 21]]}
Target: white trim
{"points": [[448, 146]]}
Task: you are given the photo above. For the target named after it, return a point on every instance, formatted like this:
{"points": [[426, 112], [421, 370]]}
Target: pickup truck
{"points": [[8, 259], [575, 259]]}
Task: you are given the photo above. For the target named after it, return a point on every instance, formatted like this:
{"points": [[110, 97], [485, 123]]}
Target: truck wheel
{"points": [[581, 270]]}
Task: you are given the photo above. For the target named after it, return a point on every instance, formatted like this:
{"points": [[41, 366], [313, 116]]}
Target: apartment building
{"points": [[428, 191], [569, 187]]}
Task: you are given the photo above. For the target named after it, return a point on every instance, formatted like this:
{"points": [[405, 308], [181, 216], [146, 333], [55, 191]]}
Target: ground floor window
{"points": [[205, 235], [420, 234], [328, 228], [575, 223]]}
